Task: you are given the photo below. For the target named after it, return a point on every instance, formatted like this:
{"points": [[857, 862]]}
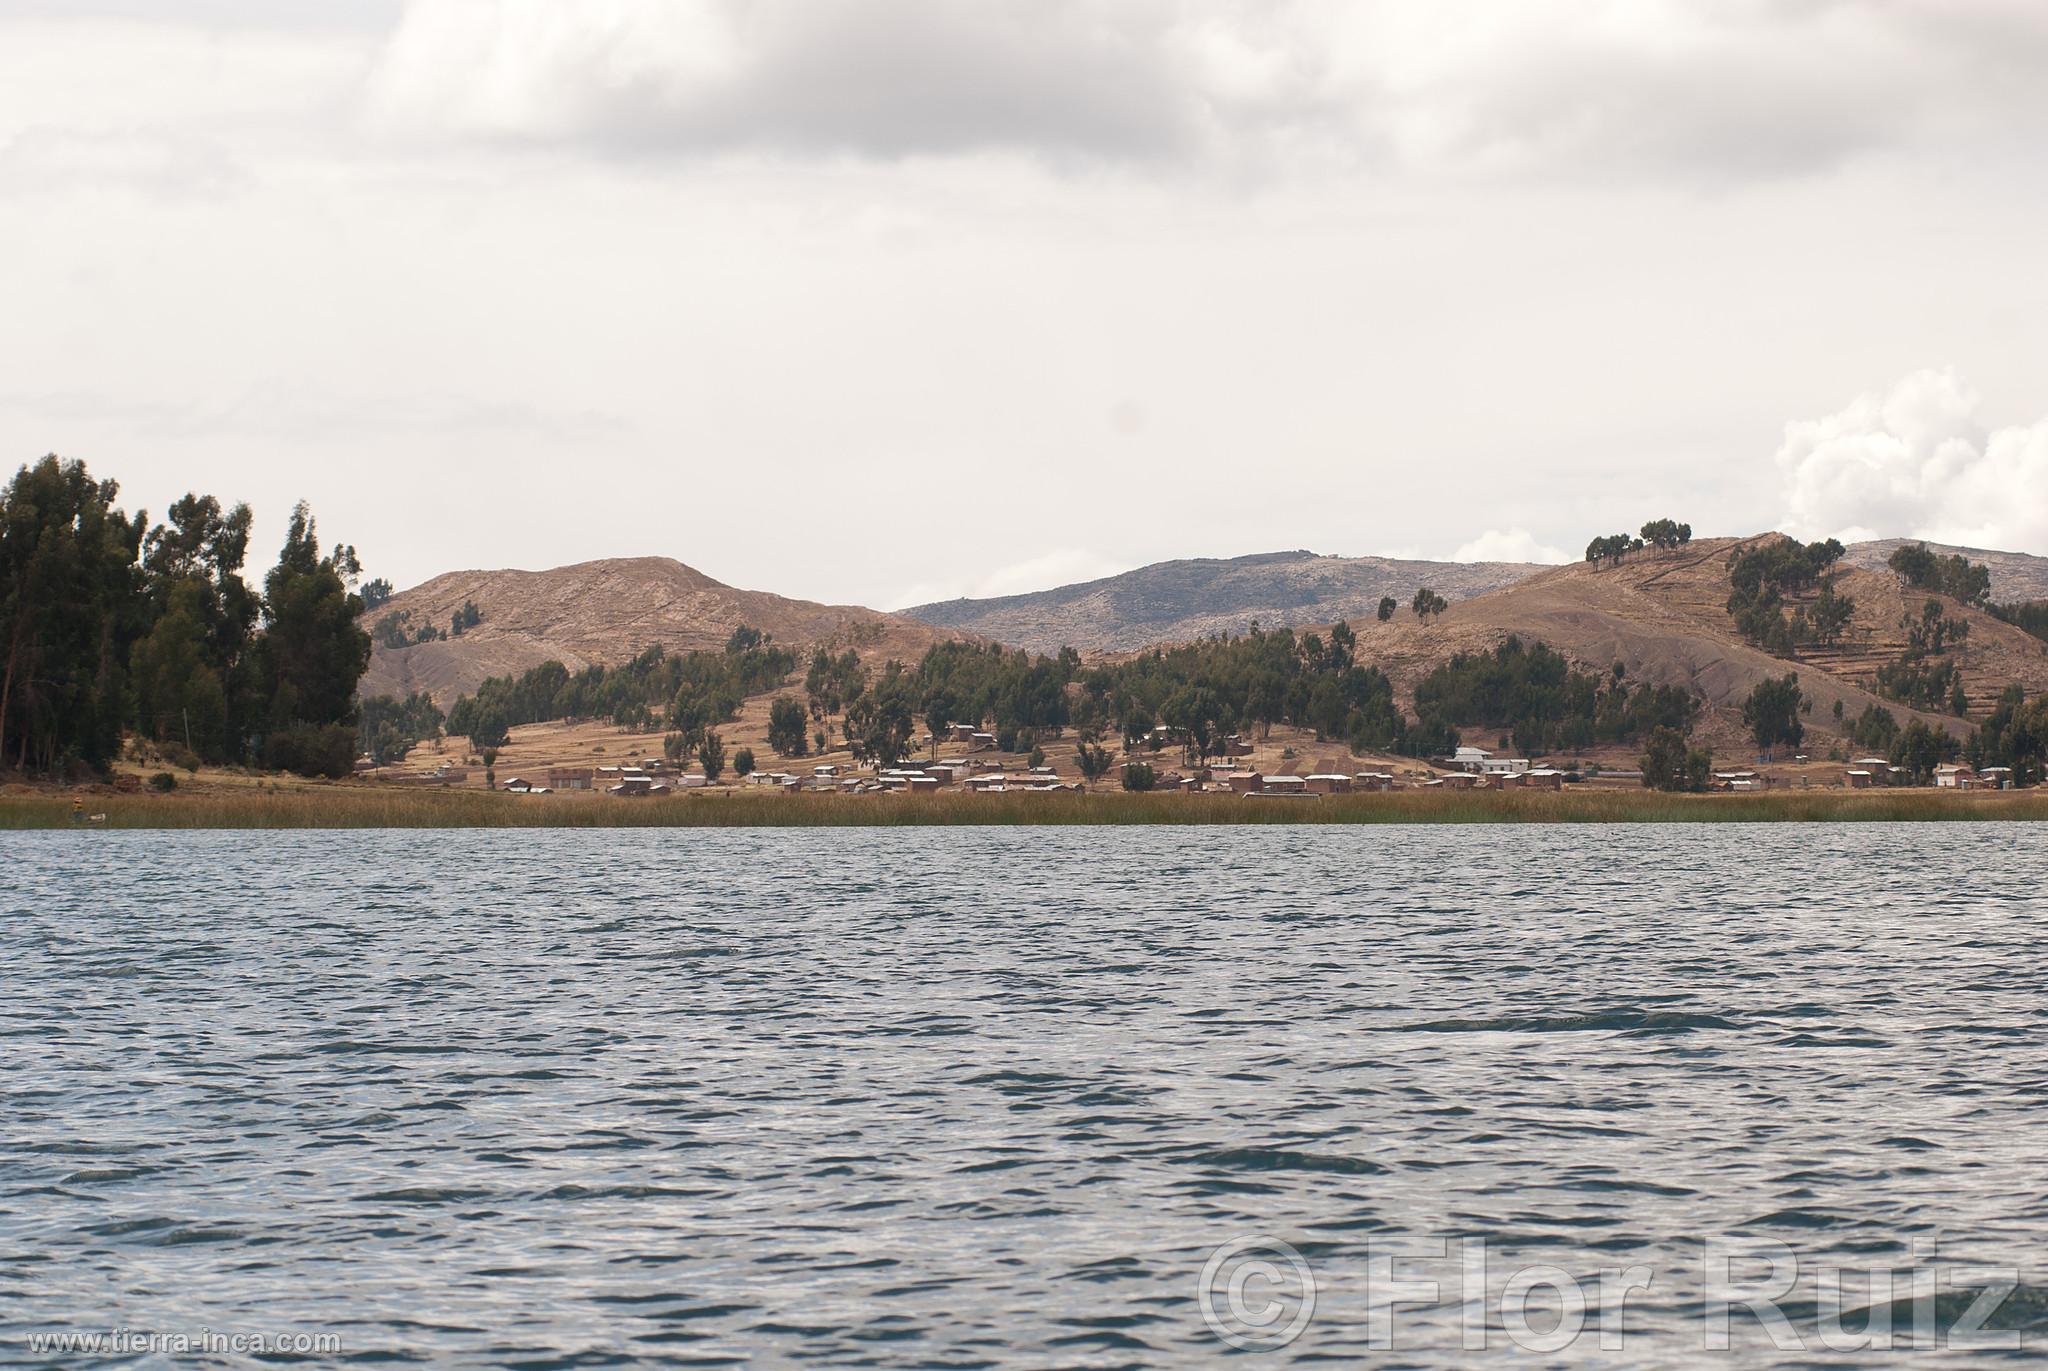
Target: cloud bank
{"points": [[1509, 545], [1621, 89], [1917, 460]]}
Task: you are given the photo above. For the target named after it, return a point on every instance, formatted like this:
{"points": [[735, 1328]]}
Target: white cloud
{"points": [[1917, 461], [1059, 566], [1508, 545]]}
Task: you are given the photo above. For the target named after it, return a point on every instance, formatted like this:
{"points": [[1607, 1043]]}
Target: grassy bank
{"points": [[377, 807]]}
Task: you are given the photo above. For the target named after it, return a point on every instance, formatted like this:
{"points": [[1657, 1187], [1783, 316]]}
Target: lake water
{"points": [[960, 1097]]}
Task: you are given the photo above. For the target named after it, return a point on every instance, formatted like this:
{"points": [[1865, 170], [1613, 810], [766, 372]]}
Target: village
{"points": [[966, 760]]}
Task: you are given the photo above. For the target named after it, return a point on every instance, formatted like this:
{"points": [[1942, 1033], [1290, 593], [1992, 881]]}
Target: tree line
{"points": [[109, 623], [1657, 533]]}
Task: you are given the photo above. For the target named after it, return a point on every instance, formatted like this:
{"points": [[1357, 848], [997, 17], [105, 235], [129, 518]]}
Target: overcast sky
{"points": [[892, 300]]}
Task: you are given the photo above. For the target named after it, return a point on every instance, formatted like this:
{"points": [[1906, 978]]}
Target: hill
{"points": [[2015, 576], [1196, 598], [1663, 616], [604, 611]]}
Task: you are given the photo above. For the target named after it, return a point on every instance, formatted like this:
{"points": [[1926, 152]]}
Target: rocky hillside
{"points": [[1179, 601], [2015, 576], [605, 611]]}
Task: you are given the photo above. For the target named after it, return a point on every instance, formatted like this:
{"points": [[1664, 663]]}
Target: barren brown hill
{"points": [[1198, 597], [605, 611], [1663, 615]]}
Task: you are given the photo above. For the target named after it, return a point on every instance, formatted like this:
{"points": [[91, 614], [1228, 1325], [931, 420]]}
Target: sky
{"points": [[888, 301]]}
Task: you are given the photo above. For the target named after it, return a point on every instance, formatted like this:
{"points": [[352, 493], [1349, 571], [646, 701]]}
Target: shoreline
{"points": [[356, 807]]}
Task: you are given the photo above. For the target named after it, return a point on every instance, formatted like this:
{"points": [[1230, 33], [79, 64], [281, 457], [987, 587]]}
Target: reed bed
{"points": [[349, 806]]}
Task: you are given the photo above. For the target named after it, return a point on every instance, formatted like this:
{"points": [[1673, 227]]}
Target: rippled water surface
{"points": [[963, 1097]]}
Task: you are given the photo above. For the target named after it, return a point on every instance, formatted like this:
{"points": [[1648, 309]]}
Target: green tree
{"points": [[1094, 762], [1669, 763], [1139, 776], [1771, 712], [312, 653], [788, 726], [1427, 604], [1920, 748], [1387, 607], [743, 762], [1666, 533], [179, 694], [711, 756], [70, 609]]}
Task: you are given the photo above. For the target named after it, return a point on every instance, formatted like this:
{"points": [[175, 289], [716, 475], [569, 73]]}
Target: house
{"points": [[1859, 778], [960, 733], [923, 784], [1541, 778], [1458, 780], [1234, 746], [570, 777], [982, 742], [825, 770], [1955, 776], [1372, 780], [1284, 785], [1470, 758], [1738, 780], [1880, 769], [1242, 782], [1996, 777], [1502, 766], [1327, 783]]}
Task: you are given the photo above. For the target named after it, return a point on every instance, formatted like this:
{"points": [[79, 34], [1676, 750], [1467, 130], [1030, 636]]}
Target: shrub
{"points": [[163, 782], [1139, 776]]}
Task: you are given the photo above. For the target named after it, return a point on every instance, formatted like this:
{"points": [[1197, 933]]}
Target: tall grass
{"points": [[376, 807]]}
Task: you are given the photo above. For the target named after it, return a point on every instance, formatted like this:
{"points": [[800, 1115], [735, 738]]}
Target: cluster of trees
{"points": [[1763, 578], [1955, 576], [2014, 734], [789, 726], [2029, 616], [1205, 691], [387, 727], [1771, 712], [1874, 730], [1671, 763], [1917, 747], [1535, 695], [1658, 533], [108, 623], [397, 630], [1923, 677], [1427, 604], [691, 690]]}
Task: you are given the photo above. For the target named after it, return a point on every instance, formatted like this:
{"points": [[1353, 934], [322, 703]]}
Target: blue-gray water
{"points": [[961, 1097]]}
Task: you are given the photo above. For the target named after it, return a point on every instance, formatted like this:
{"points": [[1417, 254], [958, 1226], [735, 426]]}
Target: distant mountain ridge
{"points": [[2015, 576], [1197, 597]]}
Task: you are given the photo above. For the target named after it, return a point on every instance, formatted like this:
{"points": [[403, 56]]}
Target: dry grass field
{"points": [[353, 805]]}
